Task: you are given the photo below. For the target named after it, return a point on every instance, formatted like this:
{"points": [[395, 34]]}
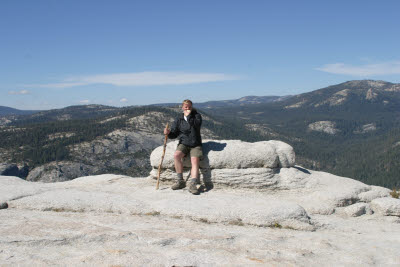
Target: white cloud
{"points": [[385, 68], [142, 79], [58, 85], [22, 92], [123, 100], [86, 101]]}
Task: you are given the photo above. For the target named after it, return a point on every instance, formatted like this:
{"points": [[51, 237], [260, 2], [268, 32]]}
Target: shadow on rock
{"points": [[212, 146], [205, 164], [302, 170], [208, 184]]}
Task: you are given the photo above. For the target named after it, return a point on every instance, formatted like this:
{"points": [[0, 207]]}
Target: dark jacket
{"points": [[187, 131]]}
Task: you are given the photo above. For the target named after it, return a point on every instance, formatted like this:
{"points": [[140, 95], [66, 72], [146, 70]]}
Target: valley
{"points": [[350, 129]]}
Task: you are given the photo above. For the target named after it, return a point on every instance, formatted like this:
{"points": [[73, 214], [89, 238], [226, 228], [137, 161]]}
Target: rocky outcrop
{"points": [[386, 206], [61, 171], [336, 99], [357, 209], [119, 220], [270, 166], [366, 128], [261, 208], [119, 151], [14, 170], [373, 193], [116, 142], [328, 127], [124, 195], [231, 162], [296, 105], [371, 95]]}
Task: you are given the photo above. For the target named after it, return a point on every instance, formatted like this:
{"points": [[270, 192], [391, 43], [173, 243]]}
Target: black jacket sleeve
{"points": [[195, 120], [174, 130]]}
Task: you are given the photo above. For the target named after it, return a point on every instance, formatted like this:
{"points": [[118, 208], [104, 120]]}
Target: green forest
{"points": [[29, 141], [372, 157]]}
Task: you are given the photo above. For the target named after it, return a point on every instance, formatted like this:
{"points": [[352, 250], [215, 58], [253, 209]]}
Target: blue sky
{"points": [[55, 54]]}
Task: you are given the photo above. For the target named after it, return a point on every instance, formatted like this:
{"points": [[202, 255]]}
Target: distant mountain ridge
{"points": [[67, 113], [12, 111], [332, 95], [246, 100], [361, 91], [12, 116]]}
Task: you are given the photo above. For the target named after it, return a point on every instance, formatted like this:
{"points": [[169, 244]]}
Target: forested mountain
{"points": [[68, 113], [11, 116], [246, 100], [350, 129], [121, 143], [12, 111]]}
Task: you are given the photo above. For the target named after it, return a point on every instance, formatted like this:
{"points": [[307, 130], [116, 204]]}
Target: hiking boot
{"points": [[3, 205], [178, 185], [193, 188]]}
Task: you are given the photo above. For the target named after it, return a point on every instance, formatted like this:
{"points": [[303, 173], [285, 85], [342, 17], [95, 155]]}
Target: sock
{"points": [[180, 176], [194, 180]]}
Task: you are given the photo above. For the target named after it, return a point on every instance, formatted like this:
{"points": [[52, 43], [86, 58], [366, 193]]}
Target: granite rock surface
{"points": [[113, 220]]}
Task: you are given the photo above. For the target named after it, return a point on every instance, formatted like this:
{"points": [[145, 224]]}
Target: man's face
{"points": [[186, 107]]}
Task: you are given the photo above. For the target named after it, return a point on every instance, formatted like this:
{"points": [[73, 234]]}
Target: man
{"points": [[187, 128]]}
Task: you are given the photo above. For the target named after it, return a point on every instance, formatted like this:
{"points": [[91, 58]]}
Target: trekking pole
{"points": [[162, 158]]}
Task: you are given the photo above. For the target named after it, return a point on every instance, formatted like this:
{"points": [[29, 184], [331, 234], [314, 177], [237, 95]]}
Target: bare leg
{"points": [[195, 167], [178, 156]]}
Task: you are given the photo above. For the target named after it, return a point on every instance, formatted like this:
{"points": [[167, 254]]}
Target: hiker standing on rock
{"points": [[187, 127]]}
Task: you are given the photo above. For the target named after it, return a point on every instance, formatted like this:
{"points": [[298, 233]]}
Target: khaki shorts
{"points": [[196, 151]]}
